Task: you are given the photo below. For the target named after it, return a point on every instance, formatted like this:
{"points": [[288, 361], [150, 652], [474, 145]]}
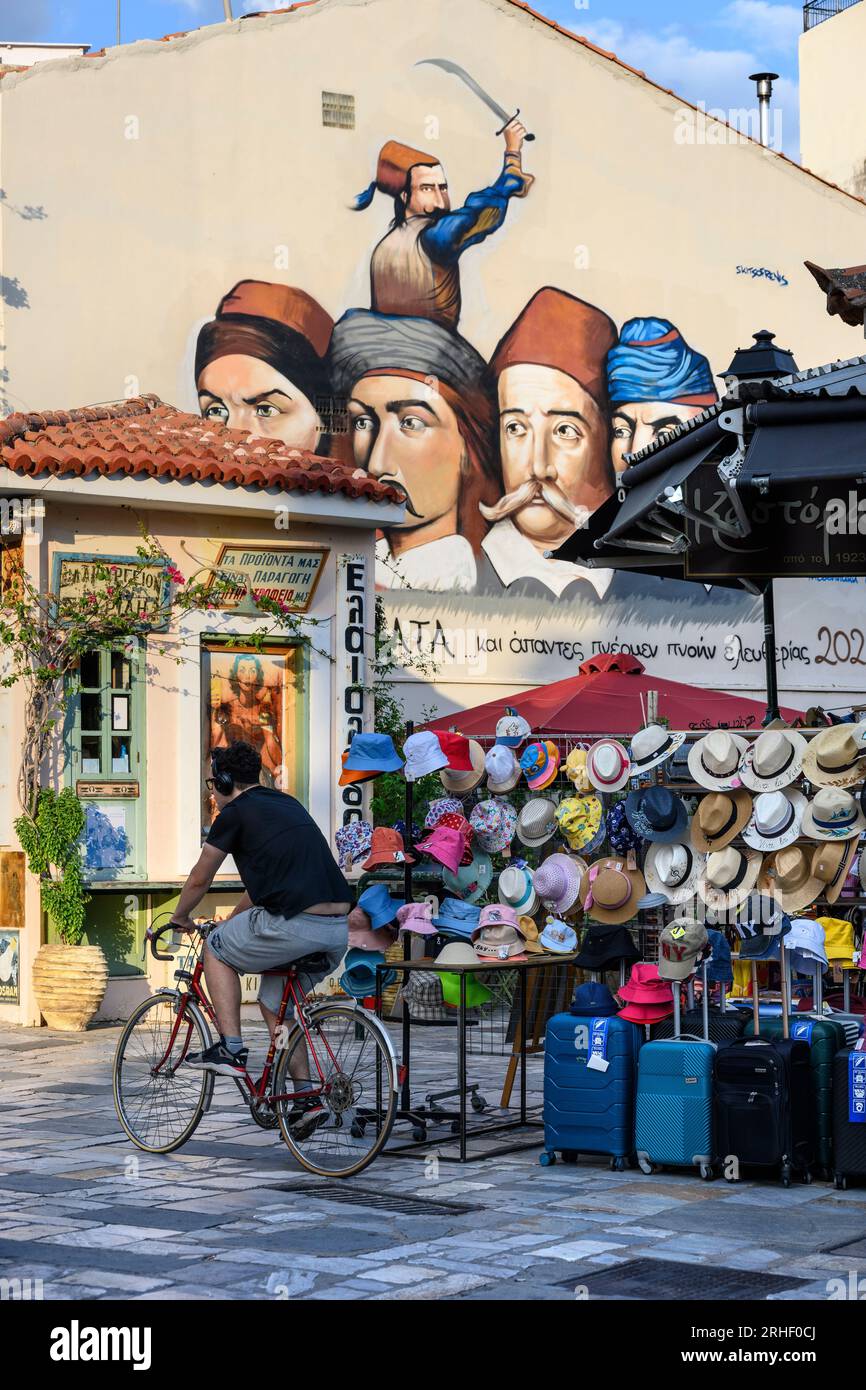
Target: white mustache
{"points": [[557, 501]]}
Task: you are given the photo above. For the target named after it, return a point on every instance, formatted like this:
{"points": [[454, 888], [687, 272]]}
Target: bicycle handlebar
{"points": [[153, 937]]}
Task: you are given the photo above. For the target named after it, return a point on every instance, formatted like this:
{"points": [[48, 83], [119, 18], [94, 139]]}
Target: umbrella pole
{"points": [[770, 654]]}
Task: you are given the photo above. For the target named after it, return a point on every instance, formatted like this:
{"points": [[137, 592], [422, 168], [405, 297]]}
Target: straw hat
{"points": [[652, 746], [672, 871], [830, 866], [714, 761], [557, 882], [607, 765], [773, 761], [536, 823], [833, 814], [719, 819], [609, 892], [515, 889], [463, 782], [836, 757], [788, 876], [728, 877], [776, 819]]}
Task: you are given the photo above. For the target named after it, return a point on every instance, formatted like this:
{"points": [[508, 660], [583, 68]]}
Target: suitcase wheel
{"points": [[645, 1165], [547, 1158], [479, 1103], [807, 1176], [707, 1172], [840, 1182], [786, 1175]]}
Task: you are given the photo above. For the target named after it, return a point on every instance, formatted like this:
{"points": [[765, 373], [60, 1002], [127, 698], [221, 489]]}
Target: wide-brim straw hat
{"points": [[836, 757], [833, 814], [609, 892], [729, 876], [787, 876], [773, 761], [652, 746], [831, 864], [720, 817], [463, 782], [782, 809], [714, 761], [659, 867]]}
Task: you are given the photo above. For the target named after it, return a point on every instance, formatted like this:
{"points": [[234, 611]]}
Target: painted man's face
{"points": [[428, 193], [636, 426], [248, 394], [554, 445], [404, 432]]}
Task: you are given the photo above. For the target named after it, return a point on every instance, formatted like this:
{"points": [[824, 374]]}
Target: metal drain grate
{"points": [[657, 1279], [382, 1201]]}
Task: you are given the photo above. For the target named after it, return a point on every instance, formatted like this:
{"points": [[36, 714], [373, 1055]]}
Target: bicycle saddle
{"points": [[315, 961]]}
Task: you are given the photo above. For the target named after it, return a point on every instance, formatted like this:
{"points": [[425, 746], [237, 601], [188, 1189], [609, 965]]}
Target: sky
{"points": [[703, 49]]}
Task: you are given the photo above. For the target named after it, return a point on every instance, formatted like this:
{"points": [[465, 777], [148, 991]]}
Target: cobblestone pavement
{"points": [[91, 1217]]}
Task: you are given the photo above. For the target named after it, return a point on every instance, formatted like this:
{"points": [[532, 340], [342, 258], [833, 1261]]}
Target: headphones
{"points": [[224, 782]]}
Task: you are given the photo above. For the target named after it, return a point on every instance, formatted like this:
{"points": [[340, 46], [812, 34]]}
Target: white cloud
{"points": [[717, 77], [776, 27]]}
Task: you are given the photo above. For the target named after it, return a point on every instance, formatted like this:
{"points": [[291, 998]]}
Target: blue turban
{"points": [[653, 362]]}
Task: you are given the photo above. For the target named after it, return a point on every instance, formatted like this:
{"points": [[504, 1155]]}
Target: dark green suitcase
{"points": [[825, 1039]]}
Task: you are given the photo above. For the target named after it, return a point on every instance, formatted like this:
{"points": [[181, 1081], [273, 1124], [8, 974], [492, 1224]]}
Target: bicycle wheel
{"points": [[160, 1109], [358, 1095]]}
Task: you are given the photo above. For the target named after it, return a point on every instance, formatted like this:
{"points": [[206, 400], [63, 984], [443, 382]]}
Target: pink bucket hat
{"points": [[417, 917], [557, 882], [647, 1013], [498, 915], [645, 986], [444, 845]]}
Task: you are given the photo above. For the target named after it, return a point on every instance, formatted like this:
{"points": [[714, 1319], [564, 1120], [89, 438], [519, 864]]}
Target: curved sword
{"points": [[456, 71]]}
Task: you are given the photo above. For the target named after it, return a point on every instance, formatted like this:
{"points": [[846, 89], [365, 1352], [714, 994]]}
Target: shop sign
{"points": [[800, 531], [10, 965], [107, 789], [142, 587], [288, 575], [352, 621]]}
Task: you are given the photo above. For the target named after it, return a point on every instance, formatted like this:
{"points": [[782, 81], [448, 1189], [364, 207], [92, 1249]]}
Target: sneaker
{"points": [[217, 1058], [306, 1116]]}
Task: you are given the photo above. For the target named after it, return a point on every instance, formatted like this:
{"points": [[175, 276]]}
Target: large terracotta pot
{"points": [[69, 982]]}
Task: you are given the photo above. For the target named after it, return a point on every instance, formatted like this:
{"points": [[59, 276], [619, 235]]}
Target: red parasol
{"points": [[606, 699]]}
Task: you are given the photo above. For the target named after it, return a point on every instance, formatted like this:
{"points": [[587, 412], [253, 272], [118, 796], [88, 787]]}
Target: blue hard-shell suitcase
{"points": [[589, 1109], [674, 1108]]}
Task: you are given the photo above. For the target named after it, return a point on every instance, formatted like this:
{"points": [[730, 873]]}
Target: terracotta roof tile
{"points": [[144, 437]]}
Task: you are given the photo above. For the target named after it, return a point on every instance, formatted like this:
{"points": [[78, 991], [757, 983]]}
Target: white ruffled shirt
{"points": [[445, 565], [514, 557]]}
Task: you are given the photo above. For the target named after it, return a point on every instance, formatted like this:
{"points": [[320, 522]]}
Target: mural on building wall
{"points": [[500, 460]]}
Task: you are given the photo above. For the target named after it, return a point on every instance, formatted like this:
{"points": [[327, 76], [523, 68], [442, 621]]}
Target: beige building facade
{"points": [[832, 119], [619, 259]]}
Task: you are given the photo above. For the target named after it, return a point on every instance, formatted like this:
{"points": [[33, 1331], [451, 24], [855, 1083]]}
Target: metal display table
{"points": [[422, 1115]]}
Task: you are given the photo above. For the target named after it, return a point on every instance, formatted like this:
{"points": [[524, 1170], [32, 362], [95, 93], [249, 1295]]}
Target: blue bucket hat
{"points": [[359, 973], [379, 906], [373, 753], [620, 835], [471, 881], [656, 814], [457, 918], [593, 1000], [720, 971]]}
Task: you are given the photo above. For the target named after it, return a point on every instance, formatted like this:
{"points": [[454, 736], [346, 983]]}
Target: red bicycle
{"points": [[343, 1048]]}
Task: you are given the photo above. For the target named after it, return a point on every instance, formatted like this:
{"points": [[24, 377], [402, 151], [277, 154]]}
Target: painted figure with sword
{"points": [[414, 270]]}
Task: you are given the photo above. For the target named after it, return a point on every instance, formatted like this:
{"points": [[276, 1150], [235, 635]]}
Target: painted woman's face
{"points": [[248, 394]]}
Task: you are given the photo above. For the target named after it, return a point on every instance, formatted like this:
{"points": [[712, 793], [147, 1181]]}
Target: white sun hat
{"points": [[714, 761]]}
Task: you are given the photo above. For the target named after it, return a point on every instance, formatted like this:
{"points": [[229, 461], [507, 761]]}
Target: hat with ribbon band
{"points": [[714, 761], [609, 892], [652, 746], [773, 761], [656, 814]]}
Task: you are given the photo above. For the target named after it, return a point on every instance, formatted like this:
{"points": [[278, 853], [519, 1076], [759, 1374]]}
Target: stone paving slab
{"points": [[94, 1218]]}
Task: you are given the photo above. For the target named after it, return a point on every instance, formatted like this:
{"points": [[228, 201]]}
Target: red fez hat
{"points": [[559, 331], [283, 304]]}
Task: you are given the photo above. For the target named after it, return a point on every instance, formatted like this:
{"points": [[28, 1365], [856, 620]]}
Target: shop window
{"points": [[104, 741], [258, 697]]}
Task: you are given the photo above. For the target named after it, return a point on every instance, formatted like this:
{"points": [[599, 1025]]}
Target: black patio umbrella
{"points": [[769, 482]]}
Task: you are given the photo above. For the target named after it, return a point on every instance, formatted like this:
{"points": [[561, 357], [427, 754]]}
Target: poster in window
{"points": [[250, 696], [10, 957]]}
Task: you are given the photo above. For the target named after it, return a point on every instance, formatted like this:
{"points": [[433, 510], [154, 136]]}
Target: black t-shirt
{"points": [[282, 856]]}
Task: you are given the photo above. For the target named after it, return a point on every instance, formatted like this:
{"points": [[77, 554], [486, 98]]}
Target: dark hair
{"points": [[405, 193], [234, 683], [288, 352], [241, 760]]}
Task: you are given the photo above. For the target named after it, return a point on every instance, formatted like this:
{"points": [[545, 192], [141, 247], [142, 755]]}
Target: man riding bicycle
{"points": [[295, 904]]}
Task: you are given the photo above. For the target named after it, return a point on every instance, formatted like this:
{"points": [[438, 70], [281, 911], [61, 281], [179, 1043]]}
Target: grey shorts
{"points": [[257, 940]]}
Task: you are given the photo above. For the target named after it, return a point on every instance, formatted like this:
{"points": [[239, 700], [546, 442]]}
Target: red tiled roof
{"points": [[145, 438]]}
